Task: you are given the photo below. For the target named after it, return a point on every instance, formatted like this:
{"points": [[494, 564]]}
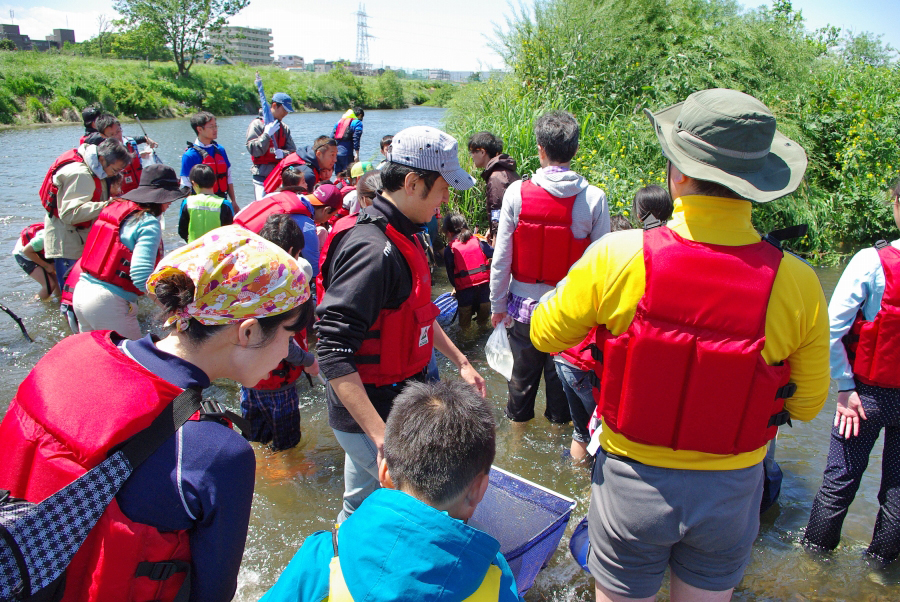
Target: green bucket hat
{"points": [[728, 137]]}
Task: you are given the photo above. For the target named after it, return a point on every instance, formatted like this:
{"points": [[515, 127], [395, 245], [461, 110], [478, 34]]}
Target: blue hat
{"points": [[284, 100]]}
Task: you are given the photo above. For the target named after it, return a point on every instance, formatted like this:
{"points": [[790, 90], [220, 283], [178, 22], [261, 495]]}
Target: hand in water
{"points": [[849, 411], [471, 376]]}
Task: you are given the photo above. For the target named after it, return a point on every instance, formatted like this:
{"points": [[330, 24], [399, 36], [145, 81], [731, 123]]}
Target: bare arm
{"points": [[349, 389], [231, 196]]}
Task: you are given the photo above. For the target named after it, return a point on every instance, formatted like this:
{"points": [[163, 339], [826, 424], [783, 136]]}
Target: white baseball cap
{"points": [[429, 148]]}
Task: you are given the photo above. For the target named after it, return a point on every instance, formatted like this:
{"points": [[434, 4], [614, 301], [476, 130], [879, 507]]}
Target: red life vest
{"points": [[689, 372], [544, 247], [872, 346], [105, 256], [273, 180], [49, 190], [285, 373], [268, 158], [470, 264], [254, 216], [584, 355], [341, 225], [131, 175], [399, 343], [29, 232], [48, 442], [84, 137], [342, 129], [216, 162]]}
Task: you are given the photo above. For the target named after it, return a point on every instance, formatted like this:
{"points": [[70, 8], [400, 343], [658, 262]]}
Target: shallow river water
{"points": [[298, 491]]}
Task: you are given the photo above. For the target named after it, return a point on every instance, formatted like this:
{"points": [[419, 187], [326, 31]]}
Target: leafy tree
{"points": [[183, 24], [6, 44], [143, 42], [475, 77], [867, 48]]}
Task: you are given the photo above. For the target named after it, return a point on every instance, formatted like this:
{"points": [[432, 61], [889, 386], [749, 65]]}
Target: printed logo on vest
{"points": [[423, 336]]}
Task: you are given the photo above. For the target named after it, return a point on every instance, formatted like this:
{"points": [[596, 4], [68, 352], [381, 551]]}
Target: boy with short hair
{"points": [[207, 151], [409, 540], [499, 172], [204, 210]]}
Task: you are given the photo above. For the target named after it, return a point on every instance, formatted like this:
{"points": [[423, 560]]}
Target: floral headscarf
{"points": [[236, 275]]}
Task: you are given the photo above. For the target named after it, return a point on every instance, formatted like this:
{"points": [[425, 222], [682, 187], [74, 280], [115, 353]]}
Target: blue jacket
{"points": [[309, 156], [356, 130], [395, 547]]}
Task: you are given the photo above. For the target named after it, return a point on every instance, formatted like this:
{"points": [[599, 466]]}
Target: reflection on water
{"points": [[298, 491]]}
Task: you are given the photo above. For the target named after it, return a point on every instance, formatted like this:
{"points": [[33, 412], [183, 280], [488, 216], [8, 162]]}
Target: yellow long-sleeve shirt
{"points": [[604, 288]]}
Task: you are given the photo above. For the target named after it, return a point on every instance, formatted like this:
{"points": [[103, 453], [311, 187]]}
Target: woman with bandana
{"points": [[178, 524]]}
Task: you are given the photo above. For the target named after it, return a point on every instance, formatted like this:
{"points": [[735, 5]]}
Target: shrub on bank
{"points": [[605, 61], [154, 90]]}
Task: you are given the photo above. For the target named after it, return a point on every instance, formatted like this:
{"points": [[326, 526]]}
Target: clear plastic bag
{"points": [[498, 352]]}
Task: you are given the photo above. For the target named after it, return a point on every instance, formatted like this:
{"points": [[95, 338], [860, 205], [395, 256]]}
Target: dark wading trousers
{"points": [[847, 460], [528, 365]]}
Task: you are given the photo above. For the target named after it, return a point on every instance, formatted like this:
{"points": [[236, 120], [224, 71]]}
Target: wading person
{"points": [[315, 162], [546, 223], [431, 484], [29, 254], [109, 127], [348, 133], [204, 210], [307, 210], [268, 143], [207, 151], [468, 262], [272, 406], [377, 324], [122, 250], [74, 193], [498, 172], [721, 328], [864, 340], [185, 510]]}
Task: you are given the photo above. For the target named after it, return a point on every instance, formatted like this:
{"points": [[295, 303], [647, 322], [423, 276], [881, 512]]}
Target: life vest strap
{"points": [[881, 244], [161, 571], [477, 270]]}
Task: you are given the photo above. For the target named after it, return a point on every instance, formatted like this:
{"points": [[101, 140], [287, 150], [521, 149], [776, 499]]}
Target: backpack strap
{"points": [[139, 447]]}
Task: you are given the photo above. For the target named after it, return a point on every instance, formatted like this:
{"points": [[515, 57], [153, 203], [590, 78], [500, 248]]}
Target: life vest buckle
{"points": [[157, 571], [780, 419], [786, 391]]}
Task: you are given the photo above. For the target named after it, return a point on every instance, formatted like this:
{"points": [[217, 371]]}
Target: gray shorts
{"points": [[643, 518]]}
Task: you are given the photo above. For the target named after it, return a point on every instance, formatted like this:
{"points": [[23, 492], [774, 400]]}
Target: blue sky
{"points": [[408, 33]]}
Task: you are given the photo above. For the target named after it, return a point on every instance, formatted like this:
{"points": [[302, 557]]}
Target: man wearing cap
{"points": [[268, 143], [105, 296], [377, 323], [711, 339], [546, 223]]}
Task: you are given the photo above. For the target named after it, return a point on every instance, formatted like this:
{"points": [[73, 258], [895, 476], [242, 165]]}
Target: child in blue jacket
{"points": [[408, 540]]}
